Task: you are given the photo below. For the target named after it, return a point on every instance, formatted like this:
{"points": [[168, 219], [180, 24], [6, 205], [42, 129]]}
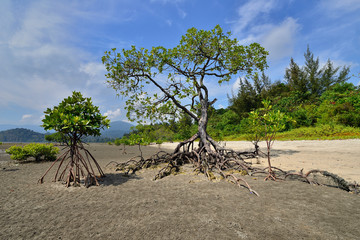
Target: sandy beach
{"points": [[185, 206]]}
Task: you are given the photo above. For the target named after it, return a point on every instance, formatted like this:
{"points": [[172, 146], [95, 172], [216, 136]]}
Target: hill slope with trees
{"points": [[21, 135]]}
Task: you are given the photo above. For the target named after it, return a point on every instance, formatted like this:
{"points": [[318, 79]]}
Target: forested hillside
{"points": [[319, 98], [21, 135]]}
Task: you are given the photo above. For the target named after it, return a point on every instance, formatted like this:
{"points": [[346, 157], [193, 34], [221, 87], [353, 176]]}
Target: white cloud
{"points": [[250, 11], [182, 13], [280, 40], [40, 63], [169, 22], [253, 22], [113, 114], [31, 119], [337, 6], [26, 116], [235, 87], [92, 69]]}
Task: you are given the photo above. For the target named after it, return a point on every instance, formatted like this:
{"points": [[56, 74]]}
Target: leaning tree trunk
{"points": [[202, 125]]}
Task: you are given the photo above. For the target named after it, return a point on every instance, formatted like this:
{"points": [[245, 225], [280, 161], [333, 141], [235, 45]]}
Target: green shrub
{"points": [[37, 151], [57, 138], [325, 131]]}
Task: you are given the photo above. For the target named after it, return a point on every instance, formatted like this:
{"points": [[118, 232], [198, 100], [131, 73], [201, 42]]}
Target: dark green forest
{"points": [[319, 98], [21, 135]]}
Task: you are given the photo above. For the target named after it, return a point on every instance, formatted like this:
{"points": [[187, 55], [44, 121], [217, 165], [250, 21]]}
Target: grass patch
{"points": [[321, 132]]}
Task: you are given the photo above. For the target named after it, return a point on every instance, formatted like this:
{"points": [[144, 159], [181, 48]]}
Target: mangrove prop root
{"points": [[78, 167]]}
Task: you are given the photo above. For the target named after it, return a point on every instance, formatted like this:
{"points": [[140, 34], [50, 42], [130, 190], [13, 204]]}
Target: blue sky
{"points": [[51, 48]]}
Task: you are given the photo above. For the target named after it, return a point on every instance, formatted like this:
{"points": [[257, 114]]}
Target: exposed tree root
{"points": [[208, 160], [214, 160], [336, 181], [77, 168]]}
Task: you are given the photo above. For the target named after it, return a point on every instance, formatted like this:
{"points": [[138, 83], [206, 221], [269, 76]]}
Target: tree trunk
{"points": [[204, 142]]}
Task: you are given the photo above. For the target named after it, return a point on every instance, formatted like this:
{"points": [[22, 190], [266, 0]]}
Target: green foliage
{"points": [[250, 95], [304, 115], [201, 54], [57, 137], [223, 122], [321, 132], [340, 105], [265, 123], [146, 134], [183, 129], [75, 117], [37, 151], [311, 80]]}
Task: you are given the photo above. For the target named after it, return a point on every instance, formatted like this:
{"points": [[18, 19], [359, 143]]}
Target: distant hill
{"points": [[117, 129], [35, 128], [29, 133], [21, 135]]}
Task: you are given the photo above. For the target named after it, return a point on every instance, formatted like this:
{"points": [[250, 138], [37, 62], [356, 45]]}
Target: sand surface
{"points": [[184, 206]]}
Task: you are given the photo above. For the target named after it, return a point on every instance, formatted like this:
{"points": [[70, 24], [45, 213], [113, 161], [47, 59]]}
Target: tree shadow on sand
{"points": [[116, 179], [9, 169], [277, 153]]}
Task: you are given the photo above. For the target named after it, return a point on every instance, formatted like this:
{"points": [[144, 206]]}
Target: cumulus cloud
{"points": [[113, 115], [277, 37], [40, 61], [280, 40], [250, 11]]}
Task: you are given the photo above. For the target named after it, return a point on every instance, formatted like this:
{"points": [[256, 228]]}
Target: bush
{"points": [[324, 131], [57, 138], [37, 151]]}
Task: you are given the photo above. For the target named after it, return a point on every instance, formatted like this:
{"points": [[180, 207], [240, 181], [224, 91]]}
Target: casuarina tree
{"points": [[182, 75], [75, 118]]}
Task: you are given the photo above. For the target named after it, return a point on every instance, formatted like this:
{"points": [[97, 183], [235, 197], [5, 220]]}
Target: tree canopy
{"points": [[311, 78], [75, 116], [179, 73], [182, 75]]}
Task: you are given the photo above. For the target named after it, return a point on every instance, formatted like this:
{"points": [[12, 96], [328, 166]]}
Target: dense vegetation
{"points": [[319, 98]]}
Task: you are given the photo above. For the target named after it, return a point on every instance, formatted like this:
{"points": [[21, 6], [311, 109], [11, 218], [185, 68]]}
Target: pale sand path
{"points": [[341, 157]]}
